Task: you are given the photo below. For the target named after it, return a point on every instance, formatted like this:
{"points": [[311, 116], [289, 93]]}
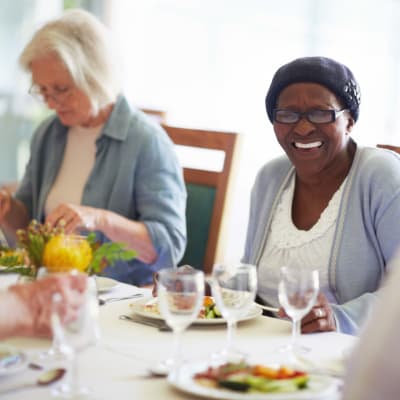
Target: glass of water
{"points": [[297, 291], [180, 298], [234, 289]]}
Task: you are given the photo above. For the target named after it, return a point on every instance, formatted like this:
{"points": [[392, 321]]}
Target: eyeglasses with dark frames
{"points": [[313, 116]]}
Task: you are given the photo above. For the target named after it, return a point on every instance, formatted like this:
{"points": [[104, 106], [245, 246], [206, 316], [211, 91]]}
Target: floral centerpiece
{"points": [[43, 246]]}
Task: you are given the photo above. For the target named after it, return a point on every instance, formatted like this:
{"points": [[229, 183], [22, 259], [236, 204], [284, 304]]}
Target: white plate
{"points": [[138, 308], [12, 367], [318, 387], [105, 284]]}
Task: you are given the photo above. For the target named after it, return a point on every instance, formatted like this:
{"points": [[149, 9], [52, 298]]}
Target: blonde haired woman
{"points": [[97, 164]]}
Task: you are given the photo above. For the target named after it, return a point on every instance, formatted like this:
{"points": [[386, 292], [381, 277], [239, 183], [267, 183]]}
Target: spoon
{"points": [[46, 378]]}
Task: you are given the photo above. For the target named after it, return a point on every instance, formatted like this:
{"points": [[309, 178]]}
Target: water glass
{"points": [[74, 337], [297, 291], [234, 289], [180, 297]]}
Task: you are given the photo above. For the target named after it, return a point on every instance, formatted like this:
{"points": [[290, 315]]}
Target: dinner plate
{"points": [[105, 284], [138, 308], [318, 387], [11, 360]]}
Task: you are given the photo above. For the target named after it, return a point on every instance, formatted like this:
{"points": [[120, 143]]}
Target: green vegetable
{"points": [[262, 384], [217, 312], [234, 385], [210, 313]]}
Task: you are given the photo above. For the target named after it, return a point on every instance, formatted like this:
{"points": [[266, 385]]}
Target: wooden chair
{"points": [[158, 115], [207, 193], [389, 147]]}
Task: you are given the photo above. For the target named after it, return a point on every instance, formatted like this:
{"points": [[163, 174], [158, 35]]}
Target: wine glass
{"points": [[75, 336], [180, 297], [297, 290], [234, 289]]}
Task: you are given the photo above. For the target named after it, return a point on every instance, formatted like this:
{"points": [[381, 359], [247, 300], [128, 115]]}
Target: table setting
{"points": [[123, 361], [132, 349]]}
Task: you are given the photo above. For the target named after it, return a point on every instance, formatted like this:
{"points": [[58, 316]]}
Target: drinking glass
{"points": [[56, 352], [234, 289], [180, 297], [297, 291], [75, 336]]}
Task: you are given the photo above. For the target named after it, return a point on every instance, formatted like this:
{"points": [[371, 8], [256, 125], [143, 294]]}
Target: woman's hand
{"points": [[319, 319], [117, 228], [34, 302], [72, 217]]}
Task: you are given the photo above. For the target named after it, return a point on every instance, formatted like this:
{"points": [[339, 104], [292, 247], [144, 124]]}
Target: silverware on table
{"points": [[102, 302], [160, 325], [267, 308]]}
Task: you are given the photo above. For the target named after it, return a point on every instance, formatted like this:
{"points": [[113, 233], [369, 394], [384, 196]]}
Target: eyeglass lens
{"points": [[313, 116]]}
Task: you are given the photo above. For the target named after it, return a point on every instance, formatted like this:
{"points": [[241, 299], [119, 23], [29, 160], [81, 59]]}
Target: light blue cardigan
{"points": [[136, 174], [367, 229]]}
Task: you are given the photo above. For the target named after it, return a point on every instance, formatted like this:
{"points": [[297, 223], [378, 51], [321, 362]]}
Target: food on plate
{"points": [[209, 309], [242, 377]]}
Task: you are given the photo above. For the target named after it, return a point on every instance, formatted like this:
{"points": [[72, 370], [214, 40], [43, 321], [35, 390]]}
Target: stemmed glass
{"points": [[75, 336], [180, 297], [234, 289], [297, 291]]}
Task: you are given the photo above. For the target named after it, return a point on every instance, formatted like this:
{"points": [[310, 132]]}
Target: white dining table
{"points": [[117, 367]]}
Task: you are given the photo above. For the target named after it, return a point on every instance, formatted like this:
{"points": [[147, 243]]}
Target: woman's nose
{"points": [[304, 127], [52, 104]]}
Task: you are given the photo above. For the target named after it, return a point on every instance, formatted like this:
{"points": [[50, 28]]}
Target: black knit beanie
{"points": [[325, 71]]}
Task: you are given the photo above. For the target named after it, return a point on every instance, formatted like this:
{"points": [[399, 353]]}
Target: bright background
{"points": [[208, 64]]}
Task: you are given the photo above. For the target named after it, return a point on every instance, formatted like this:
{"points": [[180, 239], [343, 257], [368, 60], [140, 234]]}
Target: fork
{"points": [[102, 302]]}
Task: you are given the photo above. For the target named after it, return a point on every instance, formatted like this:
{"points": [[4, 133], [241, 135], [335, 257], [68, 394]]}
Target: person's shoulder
{"points": [[140, 124], [379, 167], [379, 160], [275, 167]]}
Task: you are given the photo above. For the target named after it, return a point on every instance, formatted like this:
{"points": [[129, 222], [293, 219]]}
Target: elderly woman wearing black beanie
{"points": [[329, 203]]}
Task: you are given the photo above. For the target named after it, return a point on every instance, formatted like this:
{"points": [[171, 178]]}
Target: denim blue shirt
{"points": [[136, 174]]}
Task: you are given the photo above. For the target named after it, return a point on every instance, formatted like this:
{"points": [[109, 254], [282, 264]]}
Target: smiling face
{"points": [[314, 148], [71, 104]]}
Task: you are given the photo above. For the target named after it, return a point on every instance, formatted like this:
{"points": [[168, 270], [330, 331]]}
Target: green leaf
{"points": [[108, 254]]}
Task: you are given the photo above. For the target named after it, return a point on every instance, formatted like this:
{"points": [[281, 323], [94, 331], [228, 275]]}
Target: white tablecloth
{"points": [[115, 368]]}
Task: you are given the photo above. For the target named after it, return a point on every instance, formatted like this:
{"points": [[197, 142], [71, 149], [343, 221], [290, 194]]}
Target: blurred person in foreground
{"points": [[373, 366], [97, 164], [328, 204], [25, 309]]}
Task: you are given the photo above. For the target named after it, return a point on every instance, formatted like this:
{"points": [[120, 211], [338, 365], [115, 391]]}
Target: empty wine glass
{"points": [[297, 291], [234, 289], [180, 297], [75, 336]]}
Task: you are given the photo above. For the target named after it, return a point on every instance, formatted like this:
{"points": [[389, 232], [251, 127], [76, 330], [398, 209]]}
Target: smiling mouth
{"points": [[307, 146]]}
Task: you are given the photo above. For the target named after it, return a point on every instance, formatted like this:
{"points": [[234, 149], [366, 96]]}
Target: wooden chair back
{"points": [[389, 147], [207, 193], [158, 115]]}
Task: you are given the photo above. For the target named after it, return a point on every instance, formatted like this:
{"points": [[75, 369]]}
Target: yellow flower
{"points": [[66, 252]]}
